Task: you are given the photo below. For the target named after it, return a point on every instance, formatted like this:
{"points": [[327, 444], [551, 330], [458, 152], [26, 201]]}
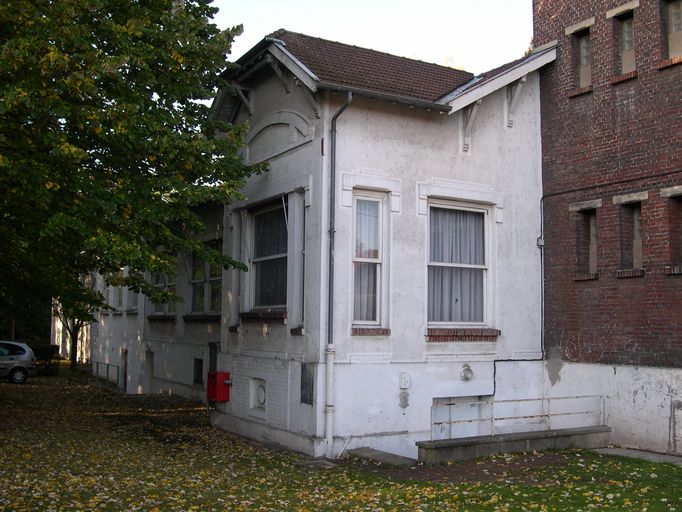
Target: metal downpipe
{"points": [[330, 351]]}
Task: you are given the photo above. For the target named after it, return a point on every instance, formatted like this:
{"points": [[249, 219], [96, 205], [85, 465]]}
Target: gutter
{"points": [[330, 352], [393, 98]]}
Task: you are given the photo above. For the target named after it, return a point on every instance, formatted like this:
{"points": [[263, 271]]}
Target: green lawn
{"points": [[69, 446]]}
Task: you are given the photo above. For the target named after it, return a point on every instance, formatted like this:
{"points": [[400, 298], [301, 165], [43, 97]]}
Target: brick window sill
{"points": [[440, 334], [630, 272], [370, 331], [668, 63], [586, 276], [618, 79], [673, 270], [580, 91], [214, 318], [268, 316], [161, 318]]}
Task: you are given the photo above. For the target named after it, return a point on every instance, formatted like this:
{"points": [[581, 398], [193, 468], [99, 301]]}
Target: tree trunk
{"points": [[73, 338]]}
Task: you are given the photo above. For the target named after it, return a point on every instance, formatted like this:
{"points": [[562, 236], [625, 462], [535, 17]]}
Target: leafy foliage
{"points": [[78, 448], [105, 146]]}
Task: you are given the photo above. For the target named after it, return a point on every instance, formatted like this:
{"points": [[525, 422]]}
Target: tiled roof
{"points": [[338, 64]]}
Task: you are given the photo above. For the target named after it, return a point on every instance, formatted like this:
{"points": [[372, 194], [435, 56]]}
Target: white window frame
{"points": [[487, 212], [382, 261], [277, 204]]}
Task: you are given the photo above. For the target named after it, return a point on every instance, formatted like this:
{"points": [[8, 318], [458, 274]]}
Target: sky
{"points": [[474, 35]]}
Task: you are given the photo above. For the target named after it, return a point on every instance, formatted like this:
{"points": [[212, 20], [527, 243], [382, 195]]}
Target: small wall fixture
{"points": [[467, 373]]}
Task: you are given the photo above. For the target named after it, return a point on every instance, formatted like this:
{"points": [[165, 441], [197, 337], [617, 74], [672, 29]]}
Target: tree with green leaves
{"points": [[107, 144]]}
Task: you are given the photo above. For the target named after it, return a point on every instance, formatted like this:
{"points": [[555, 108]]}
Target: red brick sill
{"points": [[370, 331], [441, 334], [586, 276], [624, 77], [580, 91], [674, 61], [630, 272], [674, 270]]}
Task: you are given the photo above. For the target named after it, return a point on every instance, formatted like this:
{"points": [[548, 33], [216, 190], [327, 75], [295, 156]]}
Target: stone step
{"points": [[466, 448], [379, 456]]}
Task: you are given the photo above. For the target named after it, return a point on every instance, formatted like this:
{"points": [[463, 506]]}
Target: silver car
{"points": [[17, 361]]}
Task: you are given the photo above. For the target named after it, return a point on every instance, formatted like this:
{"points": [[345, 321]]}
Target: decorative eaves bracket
{"points": [[272, 61], [278, 71], [469, 118], [513, 95], [243, 99]]}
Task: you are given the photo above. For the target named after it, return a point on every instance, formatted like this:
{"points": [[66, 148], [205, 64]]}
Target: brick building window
{"points": [[587, 242], [631, 236], [673, 21], [626, 43], [675, 223], [583, 58]]}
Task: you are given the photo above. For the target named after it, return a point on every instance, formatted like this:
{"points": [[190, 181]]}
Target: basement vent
{"points": [[307, 383]]}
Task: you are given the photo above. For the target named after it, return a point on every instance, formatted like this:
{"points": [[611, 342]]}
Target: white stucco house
{"points": [[392, 247], [394, 291]]}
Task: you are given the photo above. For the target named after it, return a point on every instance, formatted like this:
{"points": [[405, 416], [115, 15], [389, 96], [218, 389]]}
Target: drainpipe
{"points": [[330, 352]]}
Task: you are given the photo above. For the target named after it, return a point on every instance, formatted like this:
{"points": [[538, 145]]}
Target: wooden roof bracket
{"points": [[469, 118], [513, 95], [310, 98], [278, 71], [243, 99]]}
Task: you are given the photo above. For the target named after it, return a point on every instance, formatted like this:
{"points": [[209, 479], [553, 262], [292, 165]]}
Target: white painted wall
{"points": [[384, 386]]}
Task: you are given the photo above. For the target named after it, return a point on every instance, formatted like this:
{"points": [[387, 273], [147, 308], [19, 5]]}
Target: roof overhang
{"points": [[478, 89], [278, 50]]}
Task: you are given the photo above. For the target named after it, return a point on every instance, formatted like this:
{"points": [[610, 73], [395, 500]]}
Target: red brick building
{"points": [[612, 164]]}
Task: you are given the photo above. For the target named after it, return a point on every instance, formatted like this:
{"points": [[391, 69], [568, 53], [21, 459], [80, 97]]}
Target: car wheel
{"points": [[18, 376]]}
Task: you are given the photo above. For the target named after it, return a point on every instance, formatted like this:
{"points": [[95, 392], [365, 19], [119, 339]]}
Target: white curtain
{"points": [[367, 247], [456, 293]]}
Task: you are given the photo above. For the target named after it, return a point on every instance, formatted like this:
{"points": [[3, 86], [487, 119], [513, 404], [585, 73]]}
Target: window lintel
{"points": [[580, 26], [634, 197], [622, 9], [584, 205]]}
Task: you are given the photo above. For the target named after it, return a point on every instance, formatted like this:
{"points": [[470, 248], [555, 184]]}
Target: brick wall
{"points": [[621, 136]]}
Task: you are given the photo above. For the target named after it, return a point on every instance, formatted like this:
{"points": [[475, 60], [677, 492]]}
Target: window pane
{"points": [[271, 282], [365, 291], [675, 15], [198, 297], [584, 44], [367, 229], [457, 236], [271, 233], [628, 34], [197, 268], [216, 296], [455, 294]]}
